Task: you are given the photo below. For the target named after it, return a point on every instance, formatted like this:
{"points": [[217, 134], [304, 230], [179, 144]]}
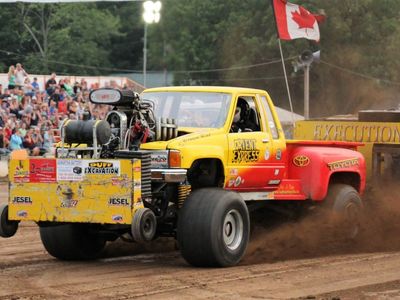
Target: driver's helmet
{"points": [[242, 110]]}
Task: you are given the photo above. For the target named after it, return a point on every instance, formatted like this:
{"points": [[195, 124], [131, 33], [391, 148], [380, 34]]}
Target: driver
{"points": [[241, 120]]}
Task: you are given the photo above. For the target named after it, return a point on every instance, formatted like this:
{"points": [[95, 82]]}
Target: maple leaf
{"points": [[304, 19]]}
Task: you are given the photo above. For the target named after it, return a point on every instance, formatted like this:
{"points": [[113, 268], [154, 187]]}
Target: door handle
{"points": [[266, 140]]}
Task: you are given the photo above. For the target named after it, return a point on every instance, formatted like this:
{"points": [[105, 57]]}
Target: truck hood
{"points": [[186, 135]]}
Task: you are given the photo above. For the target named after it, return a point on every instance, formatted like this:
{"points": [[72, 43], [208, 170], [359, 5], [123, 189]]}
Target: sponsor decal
{"points": [[233, 172], [42, 170], [120, 181], [22, 200], [22, 214], [159, 160], [102, 167], [301, 161], [137, 184], [117, 218], [244, 150], [287, 189], [20, 174], [238, 181], [278, 154], [347, 163], [116, 201], [67, 200], [231, 182], [274, 182], [257, 196], [69, 203], [266, 154], [358, 132], [69, 170], [77, 170], [276, 172], [196, 137]]}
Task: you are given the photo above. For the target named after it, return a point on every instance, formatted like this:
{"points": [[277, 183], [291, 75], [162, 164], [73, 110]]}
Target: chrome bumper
{"points": [[168, 175]]}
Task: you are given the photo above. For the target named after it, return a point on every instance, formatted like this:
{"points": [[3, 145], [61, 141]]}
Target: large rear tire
{"points": [[71, 242], [213, 228], [346, 203]]}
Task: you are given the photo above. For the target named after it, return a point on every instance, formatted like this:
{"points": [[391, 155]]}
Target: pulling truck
{"points": [[183, 162]]}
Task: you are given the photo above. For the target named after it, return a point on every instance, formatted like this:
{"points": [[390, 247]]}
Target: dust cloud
{"points": [[319, 233]]}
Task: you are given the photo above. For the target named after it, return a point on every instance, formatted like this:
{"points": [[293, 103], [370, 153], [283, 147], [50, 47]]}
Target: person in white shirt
{"points": [[20, 75]]}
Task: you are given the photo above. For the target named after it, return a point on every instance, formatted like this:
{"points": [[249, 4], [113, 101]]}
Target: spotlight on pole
{"points": [[151, 14]]}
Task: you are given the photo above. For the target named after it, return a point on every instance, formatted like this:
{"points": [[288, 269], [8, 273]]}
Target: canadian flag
{"points": [[294, 21]]}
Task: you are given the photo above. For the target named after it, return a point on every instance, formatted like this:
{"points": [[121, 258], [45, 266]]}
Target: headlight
{"points": [[174, 159]]}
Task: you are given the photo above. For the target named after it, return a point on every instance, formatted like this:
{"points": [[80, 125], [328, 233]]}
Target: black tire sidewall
{"points": [[226, 256], [7, 228], [71, 242], [138, 223], [200, 223]]}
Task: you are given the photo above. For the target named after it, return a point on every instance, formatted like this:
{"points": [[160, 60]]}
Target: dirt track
{"points": [[287, 271]]}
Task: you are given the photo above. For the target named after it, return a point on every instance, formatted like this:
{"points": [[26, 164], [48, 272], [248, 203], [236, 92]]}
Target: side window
{"points": [[246, 117], [270, 118]]}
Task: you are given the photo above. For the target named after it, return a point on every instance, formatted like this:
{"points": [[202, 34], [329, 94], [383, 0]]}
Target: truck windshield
{"points": [[191, 109]]}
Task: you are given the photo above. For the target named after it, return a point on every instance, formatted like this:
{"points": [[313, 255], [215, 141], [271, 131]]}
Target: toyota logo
{"points": [[301, 161]]}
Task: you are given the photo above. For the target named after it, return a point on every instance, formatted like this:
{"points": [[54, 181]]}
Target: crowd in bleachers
{"points": [[31, 112]]}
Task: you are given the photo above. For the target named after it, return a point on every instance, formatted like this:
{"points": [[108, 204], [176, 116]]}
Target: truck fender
{"points": [[317, 167]]}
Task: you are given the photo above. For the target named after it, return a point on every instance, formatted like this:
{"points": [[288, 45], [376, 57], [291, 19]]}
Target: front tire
{"points": [[213, 228], [71, 242]]}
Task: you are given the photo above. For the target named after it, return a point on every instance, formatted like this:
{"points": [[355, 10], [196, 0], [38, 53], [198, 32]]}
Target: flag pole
{"points": [[286, 80]]}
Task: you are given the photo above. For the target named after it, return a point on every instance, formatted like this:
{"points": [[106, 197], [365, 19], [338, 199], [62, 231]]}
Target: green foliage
{"points": [[197, 35]]}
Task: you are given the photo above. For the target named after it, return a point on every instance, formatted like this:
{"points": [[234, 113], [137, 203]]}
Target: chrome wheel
{"points": [[233, 229]]}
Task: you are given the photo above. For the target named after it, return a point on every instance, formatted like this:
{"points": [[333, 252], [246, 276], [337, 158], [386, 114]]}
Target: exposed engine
{"points": [[130, 123]]}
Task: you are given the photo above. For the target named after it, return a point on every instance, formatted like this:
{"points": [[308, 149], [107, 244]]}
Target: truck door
{"points": [[278, 155], [250, 149]]}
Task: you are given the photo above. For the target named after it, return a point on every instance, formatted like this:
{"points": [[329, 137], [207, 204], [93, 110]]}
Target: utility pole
{"points": [[307, 91], [304, 62]]}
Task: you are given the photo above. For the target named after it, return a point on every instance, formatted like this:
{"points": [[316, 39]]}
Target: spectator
{"points": [[77, 88], [13, 108], [31, 142], [3, 143], [7, 130], [20, 75], [68, 88], [83, 84], [51, 84], [11, 78], [28, 88], [16, 140], [72, 107], [56, 96], [23, 129], [35, 116], [35, 85], [48, 140]]}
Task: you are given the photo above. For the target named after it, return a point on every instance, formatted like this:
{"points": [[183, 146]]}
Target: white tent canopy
{"points": [[286, 116]]}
